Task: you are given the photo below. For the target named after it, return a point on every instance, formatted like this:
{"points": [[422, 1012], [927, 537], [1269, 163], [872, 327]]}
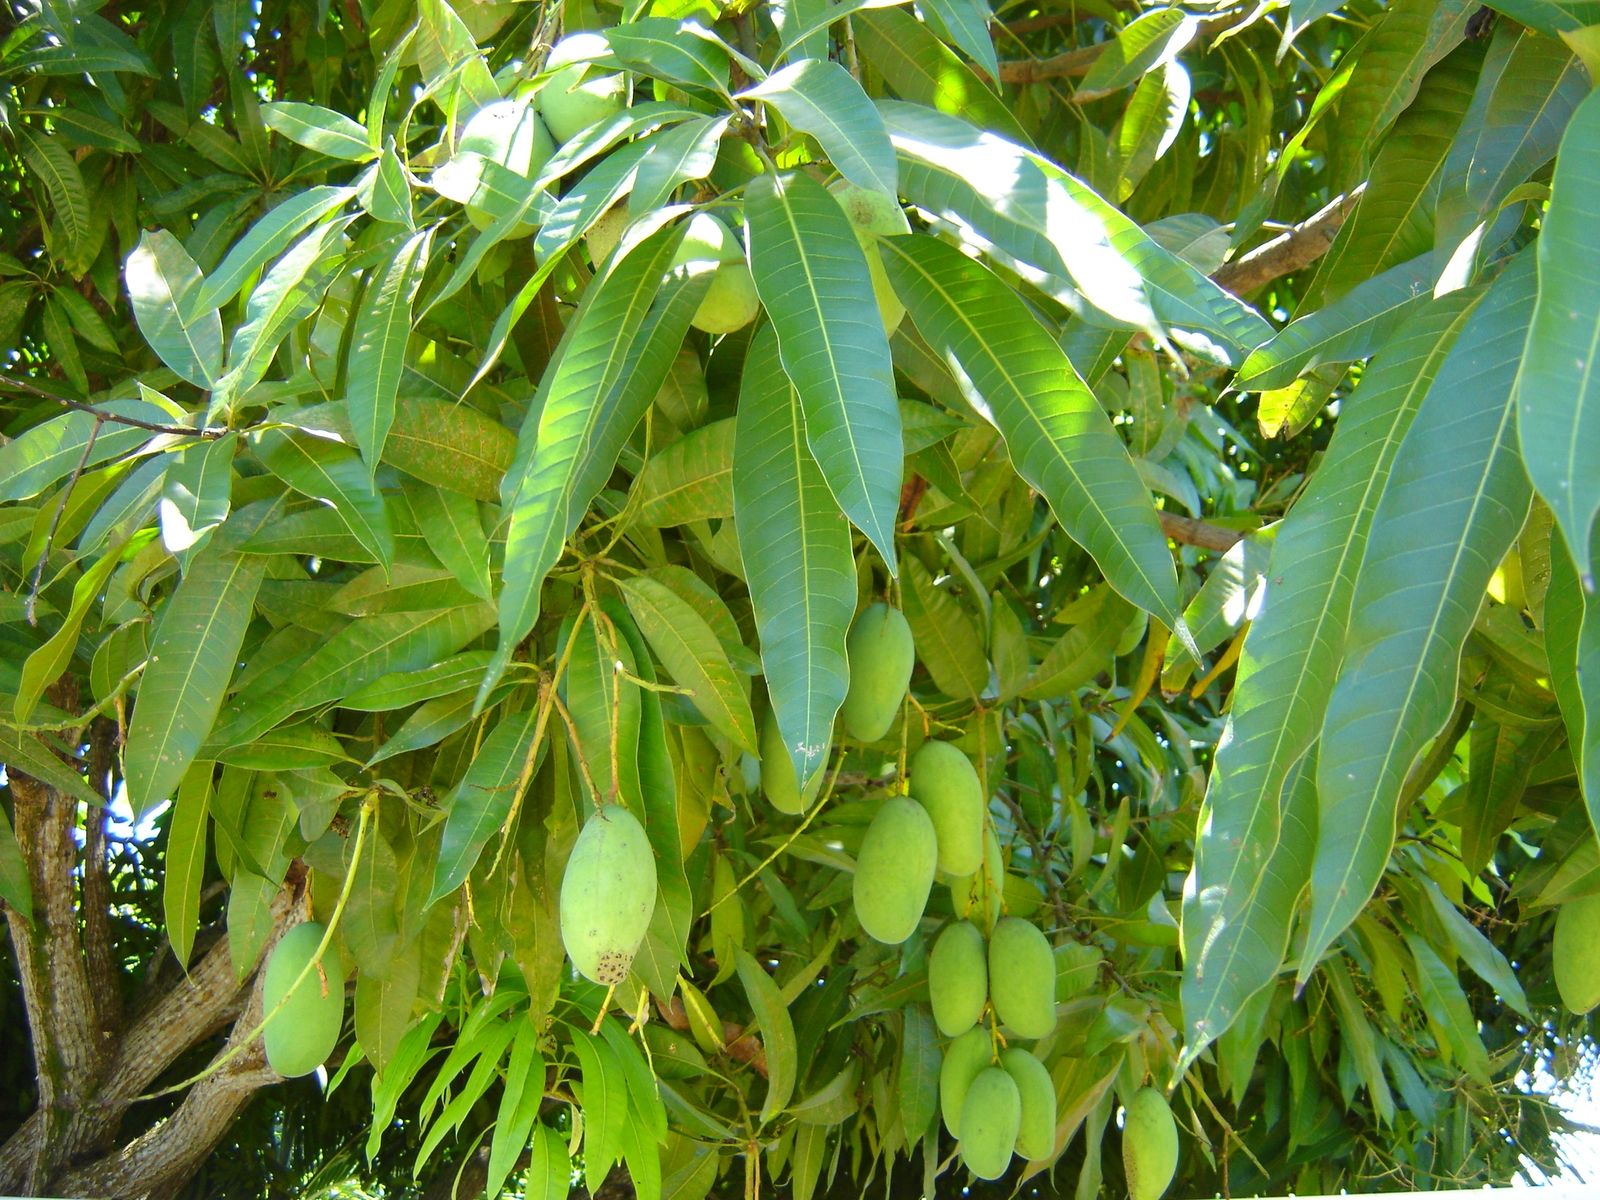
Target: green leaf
{"points": [[1393, 221], [15, 889], [383, 1005], [1224, 601], [52, 450], [1410, 37], [1048, 220], [1558, 392], [182, 327], [1059, 437], [811, 274], [519, 1107], [268, 238], [331, 472], [691, 479], [361, 652], [1455, 501], [683, 52], [605, 1106], [1526, 93], [777, 1033], [821, 98], [549, 1174], [1144, 45], [611, 361], [378, 344], [1448, 1011], [795, 547], [924, 71], [1480, 954], [452, 527], [917, 1083], [1240, 895], [481, 802], [1550, 17], [51, 163], [46, 664], [1354, 326], [1572, 639], [966, 23], [691, 652], [320, 129], [948, 642]]}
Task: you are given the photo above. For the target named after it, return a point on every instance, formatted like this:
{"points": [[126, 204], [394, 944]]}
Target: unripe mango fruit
{"points": [[1574, 955], [508, 133], [881, 655], [607, 895], [990, 1119], [894, 871], [1022, 978], [730, 302], [579, 95], [977, 897], [963, 1059], [299, 1036], [1036, 1135], [944, 782], [958, 978], [1149, 1144], [778, 779]]}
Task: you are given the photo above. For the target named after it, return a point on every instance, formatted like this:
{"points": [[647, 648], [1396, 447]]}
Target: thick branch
{"points": [[1292, 250], [104, 978], [1059, 66]]}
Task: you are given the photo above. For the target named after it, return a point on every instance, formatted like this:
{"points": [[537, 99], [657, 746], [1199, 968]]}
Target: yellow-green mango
{"points": [[300, 1035], [1575, 958], [894, 871], [990, 1118], [958, 978], [730, 302], [1022, 978], [778, 779], [579, 95], [607, 895], [977, 897], [963, 1059], [1149, 1145], [1036, 1135], [881, 655], [944, 782]]}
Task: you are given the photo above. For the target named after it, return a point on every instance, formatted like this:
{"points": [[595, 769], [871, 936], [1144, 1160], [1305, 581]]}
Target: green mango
{"points": [[944, 782], [578, 95], [894, 871], [977, 897], [990, 1118], [778, 780], [1149, 1145], [301, 1034], [1573, 956], [958, 978], [1036, 1135], [1022, 978], [607, 895], [963, 1059], [881, 654]]}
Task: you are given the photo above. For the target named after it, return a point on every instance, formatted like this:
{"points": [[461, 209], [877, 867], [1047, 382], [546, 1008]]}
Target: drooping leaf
{"points": [[795, 547], [1572, 638], [1143, 45], [480, 803], [777, 1033], [320, 129], [611, 361], [378, 344], [326, 470], [1455, 501], [1558, 395], [691, 479], [812, 276], [1059, 437], [1239, 897]]}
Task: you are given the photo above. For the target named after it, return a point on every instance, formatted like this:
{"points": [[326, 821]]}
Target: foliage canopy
{"points": [[415, 440]]}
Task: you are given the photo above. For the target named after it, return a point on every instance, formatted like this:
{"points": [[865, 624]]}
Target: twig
{"points": [[1295, 248], [209, 432]]}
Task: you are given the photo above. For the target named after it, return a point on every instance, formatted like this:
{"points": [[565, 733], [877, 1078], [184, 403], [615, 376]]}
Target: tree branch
{"points": [[104, 981], [209, 432], [1192, 532], [1292, 250]]}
